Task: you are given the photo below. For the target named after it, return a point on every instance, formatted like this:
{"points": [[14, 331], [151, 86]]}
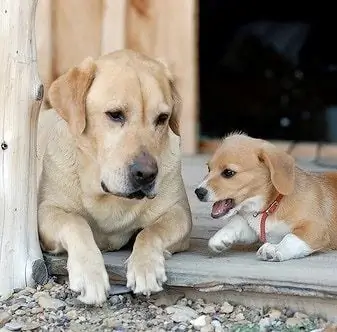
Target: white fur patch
{"points": [[291, 247], [236, 230], [146, 272], [87, 275]]}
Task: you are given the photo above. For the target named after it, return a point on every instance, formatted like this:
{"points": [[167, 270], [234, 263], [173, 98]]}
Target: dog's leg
{"points": [[236, 231], [291, 247], [61, 231], [146, 265]]}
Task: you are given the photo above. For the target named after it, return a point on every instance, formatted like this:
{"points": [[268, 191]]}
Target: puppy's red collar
{"points": [[271, 209]]}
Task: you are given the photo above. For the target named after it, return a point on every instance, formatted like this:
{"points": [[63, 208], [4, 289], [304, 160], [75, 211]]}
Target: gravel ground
{"points": [[54, 307]]}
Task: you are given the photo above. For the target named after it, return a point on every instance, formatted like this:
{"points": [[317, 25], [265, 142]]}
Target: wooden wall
{"points": [[69, 30]]}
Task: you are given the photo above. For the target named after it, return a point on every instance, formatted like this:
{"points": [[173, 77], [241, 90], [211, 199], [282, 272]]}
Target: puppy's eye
{"points": [[228, 173], [116, 116], [162, 119], [208, 168]]}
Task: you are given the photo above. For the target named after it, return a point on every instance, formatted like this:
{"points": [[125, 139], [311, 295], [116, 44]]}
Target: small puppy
{"points": [[261, 194]]}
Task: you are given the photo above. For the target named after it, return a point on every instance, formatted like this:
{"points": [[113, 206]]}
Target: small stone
{"points": [[30, 326], [36, 310], [217, 326], [72, 314], [181, 313], [38, 294], [31, 290], [168, 299], [264, 324], [300, 315], [111, 322], [209, 309], [274, 314], [201, 321], [289, 312], [4, 318], [75, 327], [48, 302], [48, 286], [20, 313], [207, 328], [226, 308], [115, 299], [15, 307], [183, 302], [239, 317], [13, 326], [292, 322], [23, 292], [31, 305]]}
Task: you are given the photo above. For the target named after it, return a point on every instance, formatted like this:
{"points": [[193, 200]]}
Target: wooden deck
{"points": [[237, 271]]}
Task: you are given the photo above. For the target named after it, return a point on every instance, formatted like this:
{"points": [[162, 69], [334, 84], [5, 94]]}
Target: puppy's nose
{"points": [[144, 169], [201, 193]]}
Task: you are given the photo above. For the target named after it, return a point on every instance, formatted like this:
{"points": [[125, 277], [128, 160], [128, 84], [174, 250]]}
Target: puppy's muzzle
{"points": [[143, 171], [201, 193]]}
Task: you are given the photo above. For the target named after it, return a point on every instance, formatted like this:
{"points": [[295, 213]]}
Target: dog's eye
{"points": [[162, 118], [228, 173], [116, 116]]}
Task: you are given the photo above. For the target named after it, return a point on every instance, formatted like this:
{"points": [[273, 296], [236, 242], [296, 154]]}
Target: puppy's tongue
{"points": [[221, 208]]}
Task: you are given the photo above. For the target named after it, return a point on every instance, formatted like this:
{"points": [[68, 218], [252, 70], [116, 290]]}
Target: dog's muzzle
{"points": [[142, 176]]}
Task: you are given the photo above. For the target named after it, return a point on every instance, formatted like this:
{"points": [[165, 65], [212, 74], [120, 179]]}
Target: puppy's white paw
{"points": [[269, 252], [219, 243], [146, 272], [87, 275]]}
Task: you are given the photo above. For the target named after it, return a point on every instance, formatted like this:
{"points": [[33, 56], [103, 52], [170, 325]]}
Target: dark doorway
{"points": [[269, 69]]}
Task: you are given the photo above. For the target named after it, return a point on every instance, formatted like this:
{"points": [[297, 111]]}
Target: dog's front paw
{"points": [[269, 252], [219, 242], [87, 275], [146, 272]]}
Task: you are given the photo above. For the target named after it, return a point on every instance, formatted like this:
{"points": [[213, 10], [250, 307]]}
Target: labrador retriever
{"points": [[109, 153]]}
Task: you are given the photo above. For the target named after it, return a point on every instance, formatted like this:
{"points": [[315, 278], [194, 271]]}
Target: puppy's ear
{"points": [[67, 94], [281, 166], [177, 103]]}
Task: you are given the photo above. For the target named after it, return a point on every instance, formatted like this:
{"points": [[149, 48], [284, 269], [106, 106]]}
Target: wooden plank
{"points": [[76, 26], [113, 25], [168, 30], [237, 270]]}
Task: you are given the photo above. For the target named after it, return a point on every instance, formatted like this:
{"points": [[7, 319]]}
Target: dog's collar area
{"points": [[264, 215]]}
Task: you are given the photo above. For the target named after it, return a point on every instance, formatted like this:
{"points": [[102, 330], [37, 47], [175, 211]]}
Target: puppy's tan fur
{"points": [[306, 219], [79, 146]]}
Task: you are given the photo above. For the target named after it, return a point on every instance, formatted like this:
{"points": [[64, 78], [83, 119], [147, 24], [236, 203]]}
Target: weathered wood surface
{"points": [[21, 93], [237, 270]]}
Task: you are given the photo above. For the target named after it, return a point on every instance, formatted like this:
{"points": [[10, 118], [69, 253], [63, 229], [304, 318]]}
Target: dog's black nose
{"points": [[144, 169], [201, 193]]}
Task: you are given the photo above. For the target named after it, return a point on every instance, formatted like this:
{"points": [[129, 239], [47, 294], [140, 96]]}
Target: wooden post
{"points": [[21, 93]]}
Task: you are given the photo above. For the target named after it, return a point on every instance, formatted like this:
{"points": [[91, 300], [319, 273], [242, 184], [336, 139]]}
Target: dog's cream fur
{"points": [[304, 222], [79, 146]]}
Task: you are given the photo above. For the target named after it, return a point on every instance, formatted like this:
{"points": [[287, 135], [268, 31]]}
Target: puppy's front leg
{"points": [[291, 247], [61, 231], [236, 230], [146, 265]]}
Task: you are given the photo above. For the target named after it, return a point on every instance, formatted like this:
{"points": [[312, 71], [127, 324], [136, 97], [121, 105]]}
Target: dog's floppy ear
{"points": [[281, 166], [67, 94], [177, 103]]}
